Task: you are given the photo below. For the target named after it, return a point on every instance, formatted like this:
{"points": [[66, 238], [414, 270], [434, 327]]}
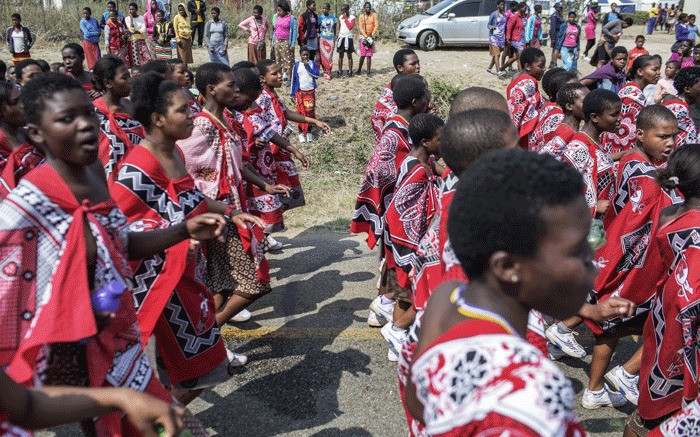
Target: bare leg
{"points": [[634, 364], [629, 433], [602, 354], [234, 305], [362, 62], [404, 315], [350, 62], [186, 396], [572, 322], [493, 63], [340, 63], [369, 65]]}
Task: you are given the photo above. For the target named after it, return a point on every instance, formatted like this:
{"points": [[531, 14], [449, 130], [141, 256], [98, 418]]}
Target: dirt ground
{"points": [[338, 159]]}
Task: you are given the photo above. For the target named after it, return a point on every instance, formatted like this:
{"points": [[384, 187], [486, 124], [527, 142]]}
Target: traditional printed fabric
{"points": [[377, 188], [629, 264], [44, 285], [550, 117], [633, 101], [118, 41], [214, 158], [668, 379], [384, 109], [20, 162], [5, 150], [415, 428], [286, 170], [119, 133], [686, 127], [560, 139], [414, 204], [171, 299], [683, 424], [479, 380], [595, 165], [524, 104], [306, 106]]}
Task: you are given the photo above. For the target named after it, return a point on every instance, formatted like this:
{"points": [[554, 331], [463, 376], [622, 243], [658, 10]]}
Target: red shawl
{"points": [[383, 110], [559, 140], [380, 178], [20, 162], [551, 116], [629, 264], [49, 299], [669, 375], [524, 105], [171, 298], [686, 126], [633, 101], [413, 205], [119, 133], [5, 150]]}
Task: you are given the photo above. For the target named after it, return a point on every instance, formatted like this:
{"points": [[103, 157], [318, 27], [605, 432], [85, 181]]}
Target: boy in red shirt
{"points": [[637, 51]]}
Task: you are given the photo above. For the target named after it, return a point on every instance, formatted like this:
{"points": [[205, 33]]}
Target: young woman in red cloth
{"points": [[73, 60], [119, 131], [688, 79], [523, 95], [570, 99], [551, 115], [76, 288]]}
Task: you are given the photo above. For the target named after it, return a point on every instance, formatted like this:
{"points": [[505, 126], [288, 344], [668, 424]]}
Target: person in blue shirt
{"points": [[111, 6], [692, 29], [555, 22], [91, 37], [612, 15]]}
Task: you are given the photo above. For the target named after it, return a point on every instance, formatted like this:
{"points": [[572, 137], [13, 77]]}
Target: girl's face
{"points": [[312, 7], [159, 16], [242, 101], [180, 74], [113, 15], [671, 70], [693, 92], [273, 77], [326, 9], [609, 120], [304, 56], [281, 12], [16, 22], [696, 56], [71, 60], [432, 146], [659, 140], [257, 14], [651, 72], [215, 15], [69, 128], [120, 86], [536, 69], [501, 7], [12, 113], [133, 11], [619, 61], [422, 104], [572, 18], [177, 120], [225, 91], [577, 108], [181, 10], [639, 43], [345, 10], [367, 8], [411, 65], [684, 49]]}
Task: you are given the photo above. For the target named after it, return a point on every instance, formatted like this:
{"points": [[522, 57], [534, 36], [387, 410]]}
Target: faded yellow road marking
{"points": [[232, 332]]}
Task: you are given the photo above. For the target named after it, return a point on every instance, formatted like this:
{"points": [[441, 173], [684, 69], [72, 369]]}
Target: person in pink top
{"points": [[257, 27], [591, 22]]}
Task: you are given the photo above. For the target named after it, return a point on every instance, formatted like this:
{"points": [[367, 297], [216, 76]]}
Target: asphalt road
{"points": [[316, 368]]}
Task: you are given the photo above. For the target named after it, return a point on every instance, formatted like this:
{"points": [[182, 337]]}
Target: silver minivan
{"points": [[450, 22]]}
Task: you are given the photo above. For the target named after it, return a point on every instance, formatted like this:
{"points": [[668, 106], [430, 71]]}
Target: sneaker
{"points": [[309, 137], [586, 58], [500, 73], [392, 355], [302, 138], [592, 400], [566, 342], [375, 321], [553, 352], [395, 337], [628, 386], [243, 316], [273, 244], [383, 310], [490, 71], [236, 360], [327, 76]]}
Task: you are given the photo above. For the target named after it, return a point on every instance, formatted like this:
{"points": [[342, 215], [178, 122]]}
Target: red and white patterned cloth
{"points": [[524, 104], [384, 109], [549, 119], [633, 102], [687, 134]]}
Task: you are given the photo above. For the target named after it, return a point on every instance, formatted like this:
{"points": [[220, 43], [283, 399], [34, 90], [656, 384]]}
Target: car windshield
{"points": [[439, 7]]}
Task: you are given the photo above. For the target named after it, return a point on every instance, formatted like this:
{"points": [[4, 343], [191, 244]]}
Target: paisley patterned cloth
{"points": [[524, 104]]}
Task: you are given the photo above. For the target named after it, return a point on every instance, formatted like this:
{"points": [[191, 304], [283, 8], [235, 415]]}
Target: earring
{"points": [[515, 279]]}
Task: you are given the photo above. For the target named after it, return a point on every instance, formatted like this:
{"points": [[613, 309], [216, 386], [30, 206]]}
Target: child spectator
{"points": [[664, 87], [555, 22], [111, 6], [163, 33], [679, 103], [610, 76], [568, 43], [19, 39], [684, 54], [637, 51], [533, 29], [216, 37], [369, 27], [523, 95], [497, 35], [515, 35], [345, 44], [328, 26], [256, 26], [118, 36], [308, 29], [26, 70], [138, 35], [303, 91], [91, 37], [570, 99], [693, 31]]}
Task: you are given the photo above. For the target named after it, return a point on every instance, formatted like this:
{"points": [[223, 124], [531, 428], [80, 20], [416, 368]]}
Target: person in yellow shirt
{"points": [[653, 15], [196, 8], [369, 25], [183, 34]]}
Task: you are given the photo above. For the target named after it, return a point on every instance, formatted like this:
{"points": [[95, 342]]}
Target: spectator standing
{"points": [[612, 15], [345, 39], [183, 34], [308, 29], [111, 6], [284, 38], [19, 39], [555, 22], [497, 36], [533, 28], [369, 26], [651, 21], [196, 8], [256, 26], [91, 37], [216, 37], [591, 22], [328, 28], [136, 25]]}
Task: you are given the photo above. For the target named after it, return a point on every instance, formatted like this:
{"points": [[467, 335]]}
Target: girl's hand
{"points": [[323, 126], [206, 226], [95, 94], [241, 218], [278, 189], [602, 206], [303, 159], [145, 412], [260, 143]]}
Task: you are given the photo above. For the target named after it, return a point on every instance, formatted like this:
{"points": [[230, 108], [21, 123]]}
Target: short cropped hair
{"points": [[472, 133], [210, 74], [401, 55], [42, 88], [150, 93], [598, 101], [247, 81], [21, 65], [686, 77], [243, 64], [476, 97], [650, 115], [159, 66], [558, 81], [530, 55], [568, 93], [547, 77], [409, 88], [423, 127], [499, 202], [264, 66]]}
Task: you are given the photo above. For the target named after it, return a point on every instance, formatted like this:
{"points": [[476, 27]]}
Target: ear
{"points": [[569, 107], [157, 120], [505, 268], [594, 118], [640, 135], [36, 135]]}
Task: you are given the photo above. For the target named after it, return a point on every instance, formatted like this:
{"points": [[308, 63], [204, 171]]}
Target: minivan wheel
{"points": [[428, 41]]}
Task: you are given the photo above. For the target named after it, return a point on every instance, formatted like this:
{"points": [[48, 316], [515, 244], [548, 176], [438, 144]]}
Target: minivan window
{"points": [[439, 7], [466, 9], [490, 6]]}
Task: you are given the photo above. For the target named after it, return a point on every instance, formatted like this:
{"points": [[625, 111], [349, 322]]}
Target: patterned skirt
{"points": [[163, 52], [284, 54]]}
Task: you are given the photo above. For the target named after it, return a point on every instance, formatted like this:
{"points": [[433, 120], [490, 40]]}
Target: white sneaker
{"points": [[392, 355], [383, 310], [375, 321], [273, 244], [626, 385], [395, 337], [243, 316], [587, 58], [310, 137], [566, 342], [604, 398], [554, 352], [490, 71], [236, 360], [302, 138]]}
